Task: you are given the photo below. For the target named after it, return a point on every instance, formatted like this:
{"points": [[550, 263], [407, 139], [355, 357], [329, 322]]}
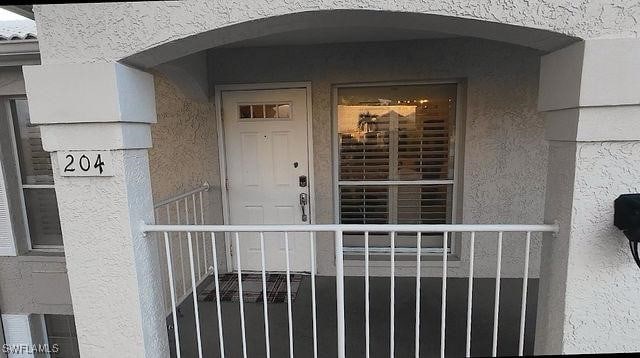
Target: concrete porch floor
{"points": [[482, 328]]}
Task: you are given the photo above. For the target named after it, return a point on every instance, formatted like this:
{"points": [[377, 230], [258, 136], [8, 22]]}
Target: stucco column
{"points": [[114, 272], [589, 284]]}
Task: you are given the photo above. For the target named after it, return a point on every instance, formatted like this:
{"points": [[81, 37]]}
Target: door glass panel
{"points": [[244, 111], [271, 110], [260, 111], [257, 111], [284, 110]]}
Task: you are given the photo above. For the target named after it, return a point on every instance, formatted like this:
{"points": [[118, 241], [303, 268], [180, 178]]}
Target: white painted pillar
{"points": [[589, 284], [114, 272]]}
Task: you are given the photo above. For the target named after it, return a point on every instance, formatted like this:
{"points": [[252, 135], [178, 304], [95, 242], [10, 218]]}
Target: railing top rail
{"points": [[354, 228], [204, 187]]}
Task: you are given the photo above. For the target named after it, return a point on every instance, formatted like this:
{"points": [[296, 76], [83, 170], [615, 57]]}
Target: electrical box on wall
{"points": [[627, 218]]}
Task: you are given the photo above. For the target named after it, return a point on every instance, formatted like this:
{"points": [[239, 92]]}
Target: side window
{"points": [[396, 160], [61, 334], [36, 179]]}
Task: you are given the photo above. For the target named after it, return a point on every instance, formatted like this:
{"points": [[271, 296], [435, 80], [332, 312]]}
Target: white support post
{"points": [[114, 270], [588, 295]]}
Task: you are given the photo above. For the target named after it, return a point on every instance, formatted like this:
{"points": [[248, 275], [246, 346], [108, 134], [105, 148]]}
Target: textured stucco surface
{"points": [[505, 155], [591, 282], [110, 264], [185, 149], [554, 253], [34, 284], [600, 271], [111, 31], [183, 157]]}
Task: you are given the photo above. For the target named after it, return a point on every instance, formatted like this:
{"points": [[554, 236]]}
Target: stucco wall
{"points": [[185, 152], [183, 157], [111, 31], [600, 272], [505, 155], [34, 284]]}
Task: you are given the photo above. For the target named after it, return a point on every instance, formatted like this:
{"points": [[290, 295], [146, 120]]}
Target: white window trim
{"points": [[433, 255], [21, 186]]}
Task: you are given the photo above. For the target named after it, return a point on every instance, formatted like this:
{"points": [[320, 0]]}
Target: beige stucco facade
{"points": [[543, 141]]}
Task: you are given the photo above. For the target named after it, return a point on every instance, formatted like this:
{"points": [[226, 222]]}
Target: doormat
{"points": [[252, 288]]}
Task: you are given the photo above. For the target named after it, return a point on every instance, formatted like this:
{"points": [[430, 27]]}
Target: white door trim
{"points": [[222, 158]]}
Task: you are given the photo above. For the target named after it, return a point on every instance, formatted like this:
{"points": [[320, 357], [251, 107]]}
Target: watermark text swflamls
{"points": [[30, 348]]}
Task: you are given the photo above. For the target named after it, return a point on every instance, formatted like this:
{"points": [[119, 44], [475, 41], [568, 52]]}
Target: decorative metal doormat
{"points": [[252, 288]]}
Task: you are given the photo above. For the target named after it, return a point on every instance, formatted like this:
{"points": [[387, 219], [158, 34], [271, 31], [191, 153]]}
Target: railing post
{"points": [[340, 294]]}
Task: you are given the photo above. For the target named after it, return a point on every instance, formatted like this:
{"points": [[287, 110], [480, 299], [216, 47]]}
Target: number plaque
{"points": [[85, 163]]}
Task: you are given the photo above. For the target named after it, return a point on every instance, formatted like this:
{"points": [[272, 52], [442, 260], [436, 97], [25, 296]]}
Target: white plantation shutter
{"points": [[397, 147], [17, 331], [396, 156], [7, 240]]}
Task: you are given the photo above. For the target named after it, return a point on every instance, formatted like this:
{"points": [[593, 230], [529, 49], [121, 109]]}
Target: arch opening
{"points": [[332, 26]]}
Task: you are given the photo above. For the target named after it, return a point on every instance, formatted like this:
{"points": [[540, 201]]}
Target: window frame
{"points": [[430, 254], [21, 186]]}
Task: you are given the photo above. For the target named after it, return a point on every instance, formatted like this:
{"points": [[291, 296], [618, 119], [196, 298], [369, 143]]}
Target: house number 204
{"points": [[90, 163]]}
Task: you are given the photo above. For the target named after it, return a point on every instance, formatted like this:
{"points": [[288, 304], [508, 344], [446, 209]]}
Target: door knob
{"points": [[303, 203]]}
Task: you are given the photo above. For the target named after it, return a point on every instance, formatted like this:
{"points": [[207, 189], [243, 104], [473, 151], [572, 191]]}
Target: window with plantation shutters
{"points": [[396, 152], [37, 180]]}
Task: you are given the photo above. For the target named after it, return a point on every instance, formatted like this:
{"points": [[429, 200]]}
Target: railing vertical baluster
{"points": [[525, 284], [204, 239], [366, 295], [217, 283], [184, 279], [186, 211], [470, 293], [443, 308], [496, 306], [194, 293], [265, 297], [195, 222], [241, 297], [312, 238], [392, 333], [176, 334], [340, 294], [289, 312], [418, 274], [168, 209]]}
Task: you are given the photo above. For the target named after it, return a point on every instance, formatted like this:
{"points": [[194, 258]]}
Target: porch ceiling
{"points": [[327, 35]]}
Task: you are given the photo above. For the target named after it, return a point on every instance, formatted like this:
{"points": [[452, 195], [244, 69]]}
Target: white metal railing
{"points": [[338, 231], [187, 208]]}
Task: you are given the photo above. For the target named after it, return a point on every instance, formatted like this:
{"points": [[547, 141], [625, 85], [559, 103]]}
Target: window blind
{"points": [[396, 155]]}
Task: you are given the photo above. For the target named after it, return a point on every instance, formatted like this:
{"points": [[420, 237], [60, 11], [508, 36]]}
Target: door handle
{"points": [[303, 203]]}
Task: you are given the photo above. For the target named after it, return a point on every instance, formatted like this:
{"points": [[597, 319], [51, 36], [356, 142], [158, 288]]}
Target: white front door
{"points": [[267, 163]]}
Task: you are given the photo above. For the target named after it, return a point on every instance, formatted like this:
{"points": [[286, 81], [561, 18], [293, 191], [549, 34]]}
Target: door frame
{"points": [[222, 156]]}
